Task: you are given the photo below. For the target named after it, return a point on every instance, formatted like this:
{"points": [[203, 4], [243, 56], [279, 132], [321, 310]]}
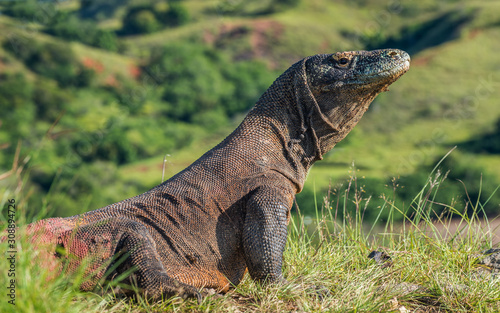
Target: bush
{"points": [[52, 60], [253, 8], [62, 23], [115, 147], [56, 61], [17, 111], [281, 5], [50, 100], [100, 9], [70, 27], [21, 9], [416, 37], [176, 15], [105, 39], [139, 20], [250, 79], [199, 79], [15, 91], [146, 19], [24, 49]]}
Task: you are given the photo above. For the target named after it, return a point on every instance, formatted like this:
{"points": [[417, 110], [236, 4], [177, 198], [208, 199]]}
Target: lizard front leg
{"points": [[265, 233]]}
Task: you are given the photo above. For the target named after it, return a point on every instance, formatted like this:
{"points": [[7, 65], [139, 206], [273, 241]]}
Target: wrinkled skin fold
{"points": [[228, 211]]}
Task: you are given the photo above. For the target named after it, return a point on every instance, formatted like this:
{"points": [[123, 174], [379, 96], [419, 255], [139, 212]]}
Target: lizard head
{"points": [[372, 71], [333, 91], [318, 100], [345, 83]]}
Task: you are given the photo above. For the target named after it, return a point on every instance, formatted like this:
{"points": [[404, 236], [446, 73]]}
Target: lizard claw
{"points": [[191, 293], [199, 299]]}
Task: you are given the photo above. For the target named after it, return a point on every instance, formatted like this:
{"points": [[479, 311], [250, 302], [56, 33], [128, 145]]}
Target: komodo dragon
{"points": [[228, 211]]}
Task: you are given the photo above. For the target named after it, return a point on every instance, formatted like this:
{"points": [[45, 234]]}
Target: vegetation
{"points": [[94, 94], [326, 263], [255, 8], [487, 143], [148, 19], [70, 27]]}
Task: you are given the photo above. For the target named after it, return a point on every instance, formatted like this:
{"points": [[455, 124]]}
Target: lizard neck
{"points": [[287, 120]]}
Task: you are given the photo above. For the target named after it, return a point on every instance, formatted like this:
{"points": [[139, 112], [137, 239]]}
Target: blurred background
{"points": [[94, 94]]}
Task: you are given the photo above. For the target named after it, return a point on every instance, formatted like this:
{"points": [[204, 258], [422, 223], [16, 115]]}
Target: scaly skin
{"points": [[229, 210]]}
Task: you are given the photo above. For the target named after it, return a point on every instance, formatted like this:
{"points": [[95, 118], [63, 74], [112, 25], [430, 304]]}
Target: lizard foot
{"points": [[189, 292]]}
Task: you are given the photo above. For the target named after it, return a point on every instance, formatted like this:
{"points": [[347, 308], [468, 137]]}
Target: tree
{"points": [[147, 18], [176, 15], [139, 20]]}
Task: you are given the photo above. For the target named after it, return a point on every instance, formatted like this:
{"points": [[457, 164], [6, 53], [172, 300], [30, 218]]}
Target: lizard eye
{"points": [[343, 62]]}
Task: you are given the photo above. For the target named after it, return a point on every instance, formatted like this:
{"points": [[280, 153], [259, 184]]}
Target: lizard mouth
{"points": [[396, 71], [384, 76]]}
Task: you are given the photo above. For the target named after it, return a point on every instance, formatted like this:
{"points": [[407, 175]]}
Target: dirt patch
{"points": [[253, 39], [264, 35], [473, 33], [134, 71], [95, 65], [111, 81]]}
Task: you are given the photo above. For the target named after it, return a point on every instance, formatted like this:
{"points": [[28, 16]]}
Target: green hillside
{"points": [[97, 92]]}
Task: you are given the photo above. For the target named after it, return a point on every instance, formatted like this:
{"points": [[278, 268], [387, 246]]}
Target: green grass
{"points": [[325, 263]]}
